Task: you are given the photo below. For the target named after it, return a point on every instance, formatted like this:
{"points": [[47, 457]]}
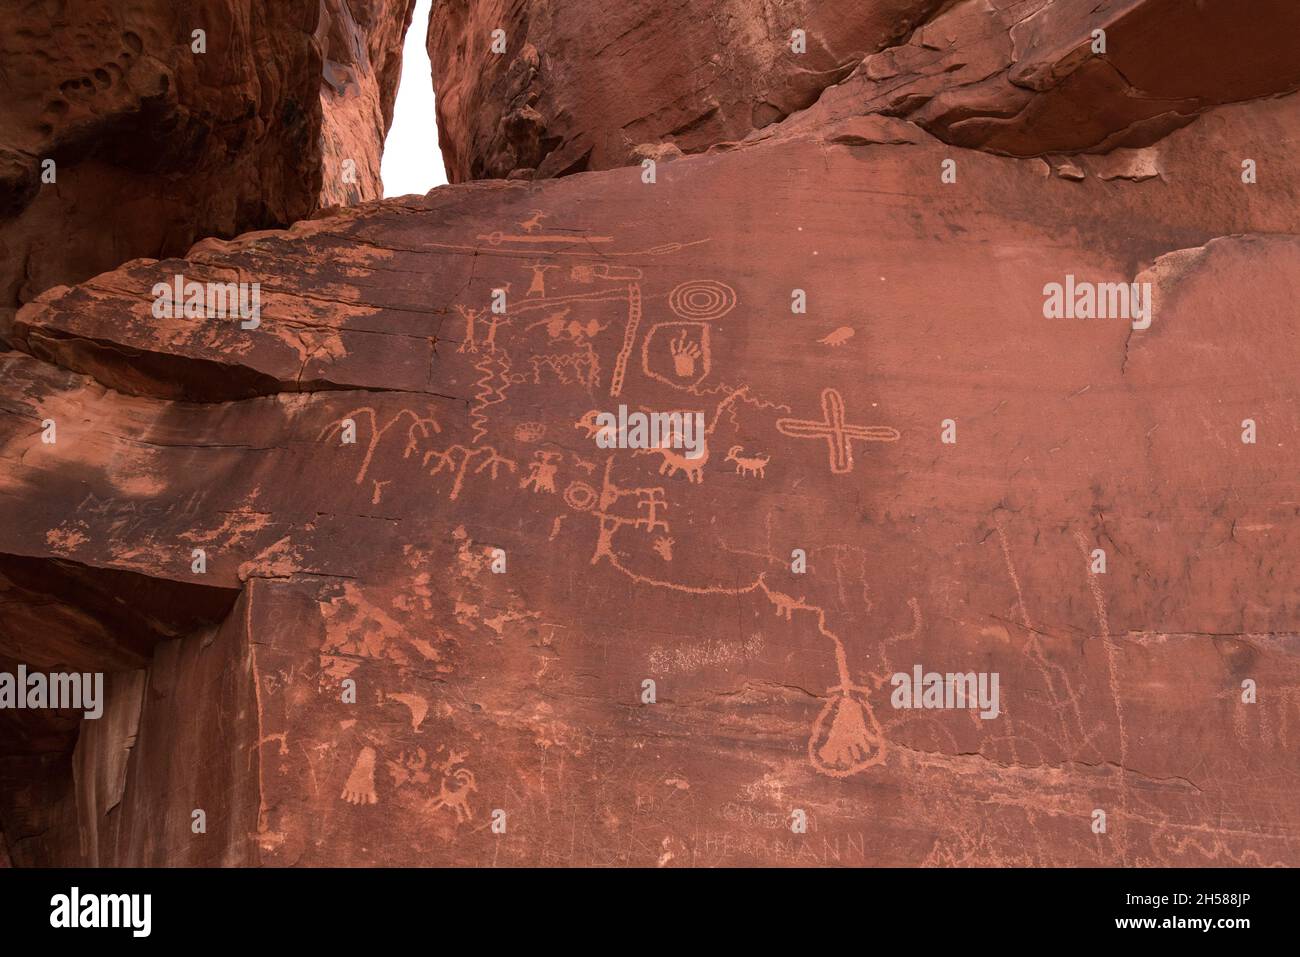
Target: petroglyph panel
{"points": [[431, 593]]}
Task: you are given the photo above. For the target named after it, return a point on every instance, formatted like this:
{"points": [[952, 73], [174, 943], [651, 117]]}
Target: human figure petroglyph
{"points": [[470, 315], [838, 435], [537, 288], [541, 472], [747, 464], [650, 500], [494, 321]]}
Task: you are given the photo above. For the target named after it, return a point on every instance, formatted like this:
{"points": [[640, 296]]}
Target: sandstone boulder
{"points": [[395, 601], [581, 86], [155, 145]]}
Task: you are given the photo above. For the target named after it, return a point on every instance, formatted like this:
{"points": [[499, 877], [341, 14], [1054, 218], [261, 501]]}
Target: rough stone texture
{"points": [[522, 691], [582, 85], [157, 146], [361, 42], [1011, 76], [1021, 77]]}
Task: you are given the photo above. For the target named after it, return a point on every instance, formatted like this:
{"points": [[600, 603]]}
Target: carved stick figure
{"points": [[467, 343], [651, 499], [541, 472], [538, 285]]}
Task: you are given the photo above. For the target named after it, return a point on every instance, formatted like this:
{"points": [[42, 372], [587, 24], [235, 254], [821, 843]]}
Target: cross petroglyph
{"points": [[838, 435]]}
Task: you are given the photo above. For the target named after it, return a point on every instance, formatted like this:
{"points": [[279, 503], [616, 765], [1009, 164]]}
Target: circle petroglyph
{"points": [[702, 299], [530, 431], [580, 496]]}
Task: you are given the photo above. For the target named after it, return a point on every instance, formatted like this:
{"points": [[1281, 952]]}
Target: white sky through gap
{"points": [[412, 162]]}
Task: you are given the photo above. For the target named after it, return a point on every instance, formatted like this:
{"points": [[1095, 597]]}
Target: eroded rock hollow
{"points": [[370, 586]]}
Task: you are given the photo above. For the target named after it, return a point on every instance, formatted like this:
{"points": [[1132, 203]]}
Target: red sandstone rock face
{"points": [[582, 86], [1011, 76], [157, 146], [1023, 76], [486, 689], [361, 42]]}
